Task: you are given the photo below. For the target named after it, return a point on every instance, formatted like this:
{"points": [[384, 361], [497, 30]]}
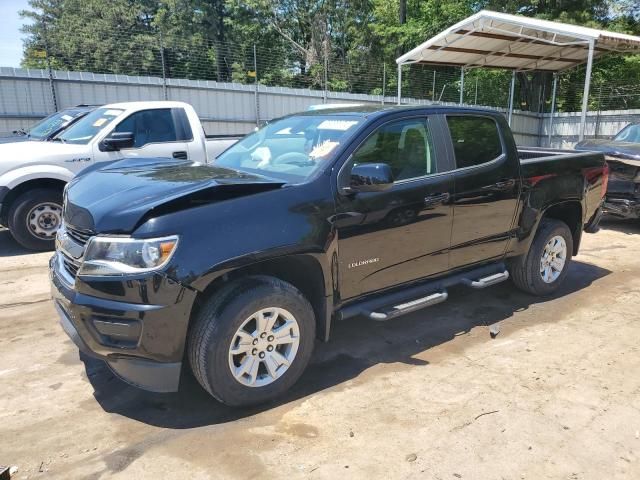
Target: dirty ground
{"points": [[556, 393]]}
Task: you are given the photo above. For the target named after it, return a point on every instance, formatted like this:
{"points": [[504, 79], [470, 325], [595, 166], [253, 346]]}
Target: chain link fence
{"points": [[169, 55]]}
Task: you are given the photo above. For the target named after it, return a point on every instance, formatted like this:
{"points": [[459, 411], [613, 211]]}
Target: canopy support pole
{"points": [[461, 85], [585, 94], [511, 92], [553, 105], [399, 82]]}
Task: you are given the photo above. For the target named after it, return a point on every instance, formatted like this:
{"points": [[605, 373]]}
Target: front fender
{"points": [[17, 176], [223, 236]]}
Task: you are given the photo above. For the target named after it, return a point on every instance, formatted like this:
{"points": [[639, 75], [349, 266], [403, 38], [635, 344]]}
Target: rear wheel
{"points": [[251, 341], [34, 218], [542, 270]]}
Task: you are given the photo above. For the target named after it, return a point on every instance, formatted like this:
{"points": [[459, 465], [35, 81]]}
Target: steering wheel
{"points": [[293, 158]]}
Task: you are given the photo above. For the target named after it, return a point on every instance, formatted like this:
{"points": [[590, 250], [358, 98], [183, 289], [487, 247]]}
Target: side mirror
{"points": [[370, 177], [117, 140]]}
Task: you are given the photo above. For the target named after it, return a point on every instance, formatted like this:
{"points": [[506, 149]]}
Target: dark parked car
{"points": [[235, 268], [48, 127], [623, 156]]}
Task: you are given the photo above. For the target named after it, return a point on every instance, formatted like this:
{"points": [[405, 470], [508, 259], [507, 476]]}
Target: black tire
{"points": [[219, 319], [18, 221], [525, 270]]}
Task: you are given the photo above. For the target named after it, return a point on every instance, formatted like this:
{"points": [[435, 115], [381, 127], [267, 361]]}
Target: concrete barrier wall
{"points": [[232, 108]]}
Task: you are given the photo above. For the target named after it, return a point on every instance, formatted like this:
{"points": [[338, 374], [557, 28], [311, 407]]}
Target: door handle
{"points": [[436, 199], [182, 155], [503, 184]]}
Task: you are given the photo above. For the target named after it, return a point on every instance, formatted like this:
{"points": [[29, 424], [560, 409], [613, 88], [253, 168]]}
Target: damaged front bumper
{"points": [[137, 325], [628, 208]]}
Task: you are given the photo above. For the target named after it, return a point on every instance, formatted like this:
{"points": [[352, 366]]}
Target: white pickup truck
{"points": [[33, 174]]}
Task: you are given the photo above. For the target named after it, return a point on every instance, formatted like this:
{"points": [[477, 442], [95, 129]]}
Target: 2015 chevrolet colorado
{"points": [[236, 267]]}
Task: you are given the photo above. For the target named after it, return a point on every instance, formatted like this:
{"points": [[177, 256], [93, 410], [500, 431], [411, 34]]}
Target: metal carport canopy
{"points": [[499, 40]]}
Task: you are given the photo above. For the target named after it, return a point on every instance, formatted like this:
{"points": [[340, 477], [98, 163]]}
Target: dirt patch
{"points": [[432, 395]]}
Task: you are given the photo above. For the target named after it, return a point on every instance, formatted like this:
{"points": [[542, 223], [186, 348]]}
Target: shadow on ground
{"points": [[356, 345], [9, 247], [630, 227]]}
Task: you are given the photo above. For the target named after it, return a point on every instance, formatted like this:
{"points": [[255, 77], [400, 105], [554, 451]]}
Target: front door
{"points": [[402, 234], [159, 132], [487, 185]]}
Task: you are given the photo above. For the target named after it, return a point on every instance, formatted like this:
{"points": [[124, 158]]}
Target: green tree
{"points": [[358, 41]]}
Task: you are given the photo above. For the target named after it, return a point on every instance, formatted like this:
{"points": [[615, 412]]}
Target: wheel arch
{"points": [[569, 212], [303, 271], [16, 191]]}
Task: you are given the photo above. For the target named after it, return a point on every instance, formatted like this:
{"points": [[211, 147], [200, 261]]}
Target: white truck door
{"points": [[158, 132]]}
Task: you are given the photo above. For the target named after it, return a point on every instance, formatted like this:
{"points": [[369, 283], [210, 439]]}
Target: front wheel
{"points": [[544, 267], [252, 340], [34, 218]]}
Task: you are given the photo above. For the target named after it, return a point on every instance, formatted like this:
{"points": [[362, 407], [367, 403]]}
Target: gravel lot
{"points": [[555, 395]]}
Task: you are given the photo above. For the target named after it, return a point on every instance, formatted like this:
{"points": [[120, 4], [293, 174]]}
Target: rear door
{"points": [[487, 186], [402, 234]]}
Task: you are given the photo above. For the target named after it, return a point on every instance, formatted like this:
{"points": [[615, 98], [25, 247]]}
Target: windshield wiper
{"points": [[57, 139]]}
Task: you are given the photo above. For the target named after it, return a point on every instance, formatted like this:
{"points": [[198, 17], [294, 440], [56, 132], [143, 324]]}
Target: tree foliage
{"points": [[357, 41]]}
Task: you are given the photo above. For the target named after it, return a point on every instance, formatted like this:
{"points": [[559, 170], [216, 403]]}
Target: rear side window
{"points": [[183, 127], [476, 140]]}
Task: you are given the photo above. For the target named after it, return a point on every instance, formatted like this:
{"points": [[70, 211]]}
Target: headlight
{"points": [[120, 255]]}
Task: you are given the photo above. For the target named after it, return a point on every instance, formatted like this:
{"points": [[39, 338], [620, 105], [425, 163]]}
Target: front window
{"points": [[53, 123], [292, 148], [630, 133], [88, 127], [405, 146], [159, 125]]}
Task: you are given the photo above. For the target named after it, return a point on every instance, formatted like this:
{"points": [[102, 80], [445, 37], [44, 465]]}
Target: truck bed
{"points": [[533, 153], [216, 144], [564, 173], [542, 161]]}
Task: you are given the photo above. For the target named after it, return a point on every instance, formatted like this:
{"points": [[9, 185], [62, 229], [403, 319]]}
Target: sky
{"points": [[10, 36]]}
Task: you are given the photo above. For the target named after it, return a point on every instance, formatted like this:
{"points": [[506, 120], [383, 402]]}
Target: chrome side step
{"points": [[487, 281], [382, 306], [410, 306]]}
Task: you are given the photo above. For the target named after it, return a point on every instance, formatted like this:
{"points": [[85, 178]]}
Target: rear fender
{"points": [[568, 211]]}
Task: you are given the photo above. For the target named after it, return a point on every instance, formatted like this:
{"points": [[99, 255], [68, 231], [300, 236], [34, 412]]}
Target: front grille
{"points": [[71, 265], [70, 254], [79, 236]]}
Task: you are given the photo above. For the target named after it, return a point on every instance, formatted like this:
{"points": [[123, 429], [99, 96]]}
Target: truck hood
{"points": [[118, 197], [611, 148], [14, 138]]}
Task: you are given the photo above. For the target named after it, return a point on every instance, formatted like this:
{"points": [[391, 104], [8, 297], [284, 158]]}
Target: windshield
{"points": [[88, 127], [292, 148], [631, 133], [44, 128]]}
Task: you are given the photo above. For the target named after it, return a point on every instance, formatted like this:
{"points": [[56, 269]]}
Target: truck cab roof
{"points": [[371, 109], [148, 105]]}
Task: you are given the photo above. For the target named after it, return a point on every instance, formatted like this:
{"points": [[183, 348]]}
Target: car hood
{"points": [[14, 138], [36, 152], [118, 197], [612, 148]]}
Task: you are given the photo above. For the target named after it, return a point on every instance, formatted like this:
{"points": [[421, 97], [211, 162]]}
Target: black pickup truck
{"points": [[236, 268]]}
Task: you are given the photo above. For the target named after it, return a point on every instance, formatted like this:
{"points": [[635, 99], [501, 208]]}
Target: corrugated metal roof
{"points": [[500, 40]]}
